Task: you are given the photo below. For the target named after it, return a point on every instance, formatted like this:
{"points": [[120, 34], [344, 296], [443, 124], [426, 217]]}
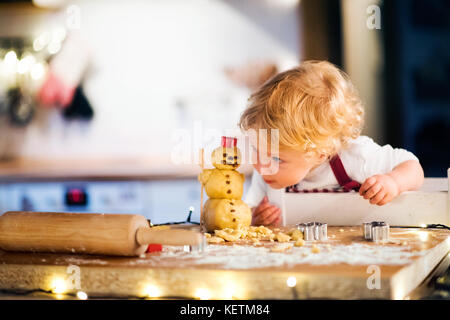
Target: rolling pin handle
{"points": [[145, 236]]}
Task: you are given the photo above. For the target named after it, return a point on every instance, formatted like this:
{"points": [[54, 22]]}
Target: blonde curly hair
{"points": [[314, 106]]}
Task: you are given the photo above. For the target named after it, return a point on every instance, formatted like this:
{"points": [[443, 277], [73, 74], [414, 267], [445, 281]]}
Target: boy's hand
{"points": [[380, 189], [266, 214]]}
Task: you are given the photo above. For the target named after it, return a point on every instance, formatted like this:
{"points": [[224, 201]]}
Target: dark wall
{"points": [[321, 30], [417, 79]]}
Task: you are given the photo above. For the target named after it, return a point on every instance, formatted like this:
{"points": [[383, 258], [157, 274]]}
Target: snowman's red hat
{"points": [[229, 142]]}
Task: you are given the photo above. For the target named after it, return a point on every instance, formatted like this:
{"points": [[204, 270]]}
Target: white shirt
{"points": [[362, 158]]}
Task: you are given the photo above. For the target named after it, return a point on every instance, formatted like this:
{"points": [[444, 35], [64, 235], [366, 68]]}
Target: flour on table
{"points": [[81, 261], [250, 257]]}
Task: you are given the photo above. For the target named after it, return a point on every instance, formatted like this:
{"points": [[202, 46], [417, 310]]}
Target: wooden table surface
{"points": [[347, 267]]}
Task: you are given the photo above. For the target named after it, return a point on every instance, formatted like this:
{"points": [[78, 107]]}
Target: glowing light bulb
{"points": [[58, 286], [37, 71], [10, 58], [228, 293], [25, 64], [399, 294], [203, 294], [9, 65], [291, 282], [82, 295], [37, 46], [40, 42], [423, 235], [152, 291], [54, 47]]}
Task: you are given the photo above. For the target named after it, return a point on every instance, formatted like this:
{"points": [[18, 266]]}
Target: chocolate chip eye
{"points": [[224, 155], [235, 157]]}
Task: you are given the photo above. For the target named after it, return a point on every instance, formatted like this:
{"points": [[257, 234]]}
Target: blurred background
{"points": [[98, 99]]}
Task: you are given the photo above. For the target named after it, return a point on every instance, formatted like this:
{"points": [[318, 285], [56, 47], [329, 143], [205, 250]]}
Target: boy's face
{"points": [[292, 166]]}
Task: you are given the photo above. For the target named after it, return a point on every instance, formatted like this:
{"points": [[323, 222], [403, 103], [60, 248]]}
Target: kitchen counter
{"points": [[347, 267], [26, 169]]}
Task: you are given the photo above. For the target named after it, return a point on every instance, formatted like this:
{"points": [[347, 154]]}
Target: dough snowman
{"points": [[226, 213], [224, 187], [225, 157], [225, 184]]}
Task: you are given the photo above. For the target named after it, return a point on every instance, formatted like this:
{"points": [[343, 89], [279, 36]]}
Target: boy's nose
{"points": [[261, 164], [257, 167]]}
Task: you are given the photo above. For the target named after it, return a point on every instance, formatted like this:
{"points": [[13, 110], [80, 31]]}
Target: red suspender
{"points": [[341, 175]]}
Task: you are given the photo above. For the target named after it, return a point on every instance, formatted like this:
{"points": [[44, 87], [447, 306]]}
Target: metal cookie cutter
{"points": [[376, 231], [313, 231]]}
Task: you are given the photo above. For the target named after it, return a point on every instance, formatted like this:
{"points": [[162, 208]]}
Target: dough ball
{"points": [[223, 184], [315, 249], [226, 213], [226, 158]]}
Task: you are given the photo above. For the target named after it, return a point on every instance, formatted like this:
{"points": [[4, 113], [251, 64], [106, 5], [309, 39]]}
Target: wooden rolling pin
{"points": [[92, 233]]}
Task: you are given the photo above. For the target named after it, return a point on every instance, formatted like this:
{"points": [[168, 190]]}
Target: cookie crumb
{"points": [[282, 237], [296, 235], [215, 239]]}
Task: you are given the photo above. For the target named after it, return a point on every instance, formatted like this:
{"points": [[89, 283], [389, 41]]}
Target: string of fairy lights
{"points": [[59, 289], [23, 69], [26, 59]]}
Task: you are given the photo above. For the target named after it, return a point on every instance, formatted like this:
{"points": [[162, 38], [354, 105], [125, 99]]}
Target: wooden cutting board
{"points": [[347, 267]]}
